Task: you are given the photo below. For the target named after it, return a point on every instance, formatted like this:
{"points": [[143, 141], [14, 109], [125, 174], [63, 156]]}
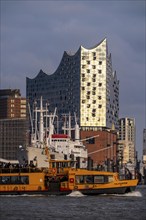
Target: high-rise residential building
{"points": [[127, 133], [12, 105], [13, 123], [84, 83]]}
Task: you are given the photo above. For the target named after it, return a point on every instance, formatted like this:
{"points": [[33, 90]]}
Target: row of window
{"points": [[93, 179], [89, 61], [88, 70], [14, 180]]}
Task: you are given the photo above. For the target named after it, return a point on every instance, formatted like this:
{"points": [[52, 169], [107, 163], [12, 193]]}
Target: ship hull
{"points": [[91, 192]]}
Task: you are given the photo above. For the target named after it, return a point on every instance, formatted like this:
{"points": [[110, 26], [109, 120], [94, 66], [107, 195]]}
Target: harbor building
{"points": [[84, 84], [13, 123], [102, 148], [126, 143]]}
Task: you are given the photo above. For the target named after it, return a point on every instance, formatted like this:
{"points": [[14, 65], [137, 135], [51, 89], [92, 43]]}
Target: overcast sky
{"points": [[34, 35]]}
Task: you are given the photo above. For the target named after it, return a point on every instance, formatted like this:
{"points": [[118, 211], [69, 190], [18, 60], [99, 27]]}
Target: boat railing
{"points": [[20, 170]]}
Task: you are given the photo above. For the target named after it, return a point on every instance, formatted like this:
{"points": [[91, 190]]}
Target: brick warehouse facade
{"points": [[102, 147]]}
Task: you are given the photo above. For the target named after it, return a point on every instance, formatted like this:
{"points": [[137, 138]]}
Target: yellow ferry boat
{"points": [[61, 179]]}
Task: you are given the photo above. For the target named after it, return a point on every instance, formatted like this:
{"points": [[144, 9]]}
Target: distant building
{"points": [[12, 105], [144, 142], [13, 123], [126, 143], [84, 83], [13, 133], [102, 148], [144, 155]]}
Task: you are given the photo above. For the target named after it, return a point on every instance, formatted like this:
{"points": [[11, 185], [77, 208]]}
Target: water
{"points": [[131, 206]]}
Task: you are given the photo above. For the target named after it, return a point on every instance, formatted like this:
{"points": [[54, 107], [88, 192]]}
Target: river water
{"points": [[131, 206]]}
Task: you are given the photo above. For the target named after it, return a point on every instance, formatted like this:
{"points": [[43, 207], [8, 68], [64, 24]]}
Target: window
{"points": [[88, 62], [5, 180], [99, 71], [89, 179], [79, 179], [90, 140], [84, 179], [14, 180], [100, 62], [98, 179], [88, 84], [99, 84]]}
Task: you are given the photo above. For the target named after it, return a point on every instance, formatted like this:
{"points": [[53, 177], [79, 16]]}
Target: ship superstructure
{"points": [[47, 144]]}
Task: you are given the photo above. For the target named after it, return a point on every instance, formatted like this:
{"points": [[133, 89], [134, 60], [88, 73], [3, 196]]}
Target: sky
{"points": [[34, 35]]}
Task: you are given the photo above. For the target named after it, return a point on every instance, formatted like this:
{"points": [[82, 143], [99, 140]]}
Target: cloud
{"points": [[34, 35]]}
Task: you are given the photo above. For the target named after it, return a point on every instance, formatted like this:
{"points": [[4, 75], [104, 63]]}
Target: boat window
{"points": [[79, 179], [5, 180], [110, 179], [14, 180], [85, 179], [89, 179], [24, 180], [99, 179]]}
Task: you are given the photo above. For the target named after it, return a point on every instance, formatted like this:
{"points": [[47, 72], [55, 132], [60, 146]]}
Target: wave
{"points": [[75, 193], [22, 195], [130, 194], [133, 194]]}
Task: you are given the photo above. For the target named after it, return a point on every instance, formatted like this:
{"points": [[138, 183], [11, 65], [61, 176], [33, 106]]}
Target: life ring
{"points": [[71, 180]]}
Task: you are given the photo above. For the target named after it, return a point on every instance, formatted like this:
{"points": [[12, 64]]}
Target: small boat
{"points": [[61, 179]]}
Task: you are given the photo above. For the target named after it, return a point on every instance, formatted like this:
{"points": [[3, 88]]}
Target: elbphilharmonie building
{"points": [[84, 83]]}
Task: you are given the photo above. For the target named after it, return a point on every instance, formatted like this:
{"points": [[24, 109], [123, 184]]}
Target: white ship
{"points": [[58, 146]]}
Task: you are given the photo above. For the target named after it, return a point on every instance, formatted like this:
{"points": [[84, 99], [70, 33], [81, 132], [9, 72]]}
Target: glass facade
{"points": [[84, 83]]}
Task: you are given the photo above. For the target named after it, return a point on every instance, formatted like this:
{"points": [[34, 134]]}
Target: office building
{"points": [[127, 149]]}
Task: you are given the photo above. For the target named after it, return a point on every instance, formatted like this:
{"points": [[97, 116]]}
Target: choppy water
{"points": [[131, 206]]}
